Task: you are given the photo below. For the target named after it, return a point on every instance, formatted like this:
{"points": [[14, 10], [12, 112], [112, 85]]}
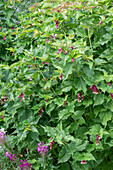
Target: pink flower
{"points": [[60, 50], [65, 52], [34, 58], [47, 63], [47, 40], [56, 23], [2, 101], [12, 28], [64, 103], [83, 162], [58, 10], [83, 98], [47, 100], [19, 21], [30, 79], [94, 89], [4, 38], [28, 66], [97, 139], [51, 143], [40, 111], [108, 83], [72, 60], [111, 95], [61, 76], [13, 53], [5, 98], [24, 164], [18, 67], [43, 63], [79, 96], [86, 28], [72, 47], [21, 95], [100, 22], [7, 154], [59, 58]]}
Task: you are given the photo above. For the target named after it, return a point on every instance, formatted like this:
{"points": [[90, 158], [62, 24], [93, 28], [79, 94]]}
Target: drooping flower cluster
{"points": [[97, 139], [21, 96], [24, 164], [94, 89], [79, 96], [11, 156], [42, 149]]}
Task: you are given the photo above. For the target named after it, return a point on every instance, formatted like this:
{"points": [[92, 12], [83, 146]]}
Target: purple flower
{"points": [[60, 50], [2, 100], [4, 38], [21, 95], [47, 100], [5, 98], [72, 47], [64, 103], [2, 117], [61, 76], [51, 143], [30, 79], [7, 154], [19, 21], [42, 149], [56, 23], [18, 67], [83, 162], [12, 157], [13, 53], [111, 95], [72, 60], [94, 89], [97, 139], [100, 22], [34, 58], [2, 136], [65, 52], [12, 28], [24, 164]]}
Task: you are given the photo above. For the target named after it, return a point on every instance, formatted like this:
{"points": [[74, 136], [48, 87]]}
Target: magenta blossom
{"points": [[47, 100], [111, 95], [7, 154], [94, 89], [47, 40], [61, 76], [2, 100], [13, 53], [42, 149], [83, 162], [72, 60], [21, 95], [60, 50], [79, 96], [30, 79], [64, 103], [108, 83], [24, 164], [2, 117], [12, 28], [40, 111], [56, 23], [2, 136], [83, 98], [19, 21], [97, 139], [11, 156], [18, 67], [65, 52], [100, 22], [72, 47], [4, 38], [5, 98], [51, 143]]}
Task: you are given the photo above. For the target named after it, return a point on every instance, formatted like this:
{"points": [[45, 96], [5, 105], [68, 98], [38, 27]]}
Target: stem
{"points": [[90, 42]]}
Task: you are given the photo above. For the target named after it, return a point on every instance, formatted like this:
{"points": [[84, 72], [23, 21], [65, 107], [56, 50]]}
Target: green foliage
{"points": [[56, 66]]}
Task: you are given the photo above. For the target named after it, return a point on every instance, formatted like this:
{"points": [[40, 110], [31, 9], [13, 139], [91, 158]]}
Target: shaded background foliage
{"points": [[53, 52]]}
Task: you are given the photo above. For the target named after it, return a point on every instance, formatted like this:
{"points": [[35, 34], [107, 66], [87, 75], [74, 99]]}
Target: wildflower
{"points": [[108, 83], [21, 95], [97, 139], [7, 154], [43, 63], [2, 136], [2, 117], [19, 21], [100, 22], [72, 60], [12, 28], [79, 96], [61, 76], [12, 157], [28, 66], [30, 79], [56, 23], [4, 38], [72, 47], [24, 164], [42, 149], [60, 50], [47, 40], [58, 10], [18, 67], [13, 53], [40, 111], [94, 89], [111, 95], [83, 98], [51, 143], [83, 162], [5, 98], [47, 100], [55, 36], [64, 103], [65, 52], [47, 63], [2, 101], [34, 58]]}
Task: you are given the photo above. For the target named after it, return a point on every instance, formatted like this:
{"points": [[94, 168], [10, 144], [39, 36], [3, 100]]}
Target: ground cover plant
{"points": [[56, 71]]}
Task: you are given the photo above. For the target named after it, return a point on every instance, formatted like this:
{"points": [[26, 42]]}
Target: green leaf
{"points": [[99, 99], [68, 70]]}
